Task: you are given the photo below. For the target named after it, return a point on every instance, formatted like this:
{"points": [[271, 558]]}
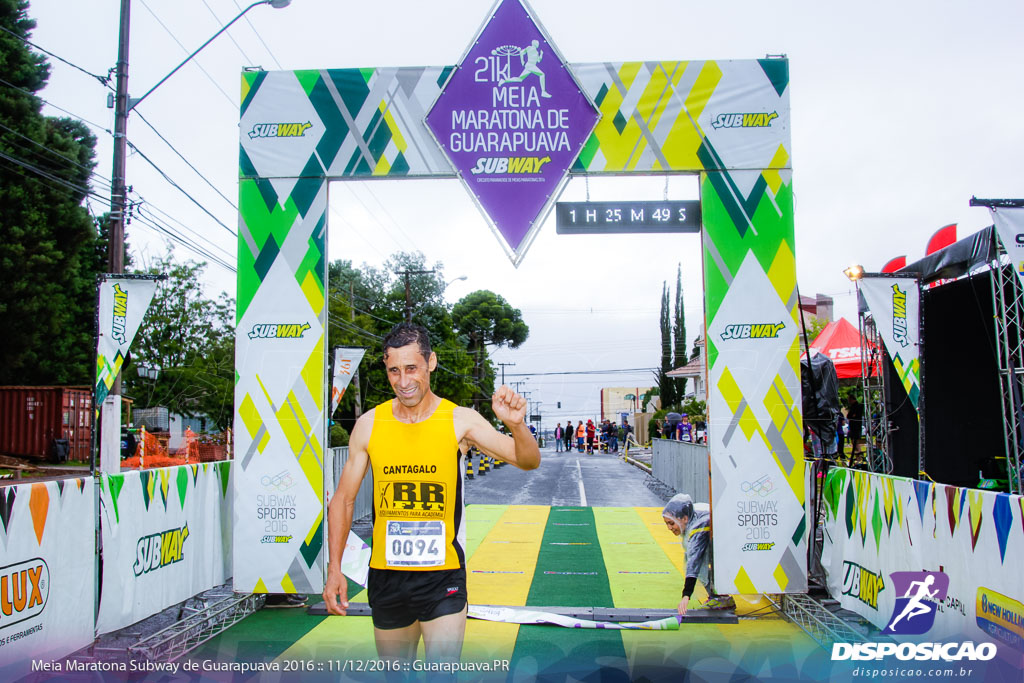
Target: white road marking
{"points": [[583, 491]]}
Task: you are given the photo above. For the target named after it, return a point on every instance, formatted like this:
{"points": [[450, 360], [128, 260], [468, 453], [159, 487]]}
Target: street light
{"points": [[276, 4], [123, 104], [854, 272], [461, 277]]}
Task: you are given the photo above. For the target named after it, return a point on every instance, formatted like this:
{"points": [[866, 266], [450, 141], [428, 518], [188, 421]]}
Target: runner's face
{"points": [[409, 373], [673, 525]]}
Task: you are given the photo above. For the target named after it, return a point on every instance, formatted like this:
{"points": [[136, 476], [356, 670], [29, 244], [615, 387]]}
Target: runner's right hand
{"points": [[336, 593]]}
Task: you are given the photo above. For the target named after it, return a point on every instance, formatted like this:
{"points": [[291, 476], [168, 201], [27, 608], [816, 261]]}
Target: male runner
{"points": [[417, 580], [530, 57]]}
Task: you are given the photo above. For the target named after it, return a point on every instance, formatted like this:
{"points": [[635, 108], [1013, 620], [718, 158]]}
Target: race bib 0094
{"points": [[414, 543]]}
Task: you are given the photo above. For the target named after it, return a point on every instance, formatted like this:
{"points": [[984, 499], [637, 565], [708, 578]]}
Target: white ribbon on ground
{"points": [[526, 616]]}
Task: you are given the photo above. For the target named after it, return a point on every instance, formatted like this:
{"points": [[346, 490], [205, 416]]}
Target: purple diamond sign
{"points": [[512, 120]]}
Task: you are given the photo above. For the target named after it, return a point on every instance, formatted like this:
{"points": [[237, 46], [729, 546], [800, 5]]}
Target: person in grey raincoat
{"points": [[692, 522]]}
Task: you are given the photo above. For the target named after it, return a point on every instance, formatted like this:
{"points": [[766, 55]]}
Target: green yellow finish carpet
{"points": [[560, 557]]}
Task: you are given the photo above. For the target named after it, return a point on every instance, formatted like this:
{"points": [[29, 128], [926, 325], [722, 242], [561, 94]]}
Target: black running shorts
{"points": [[398, 598]]}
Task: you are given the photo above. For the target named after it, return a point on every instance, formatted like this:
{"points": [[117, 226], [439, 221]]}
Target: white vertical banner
{"points": [[122, 304], [1010, 228], [346, 362], [895, 304], [47, 572]]}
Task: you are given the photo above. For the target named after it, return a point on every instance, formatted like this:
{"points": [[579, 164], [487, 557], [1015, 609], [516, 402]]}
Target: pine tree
{"points": [[679, 358], [667, 391], [48, 243]]}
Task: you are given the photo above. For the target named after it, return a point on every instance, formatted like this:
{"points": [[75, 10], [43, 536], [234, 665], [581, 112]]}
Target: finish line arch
{"points": [[727, 121]]}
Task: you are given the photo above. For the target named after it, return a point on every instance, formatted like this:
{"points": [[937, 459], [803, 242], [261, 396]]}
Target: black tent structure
{"points": [[970, 416]]}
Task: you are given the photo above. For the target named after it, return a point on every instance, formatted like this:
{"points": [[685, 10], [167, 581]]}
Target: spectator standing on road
{"points": [[613, 437], [570, 432], [855, 416], [559, 438], [685, 429], [841, 434], [581, 437], [591, 431]]}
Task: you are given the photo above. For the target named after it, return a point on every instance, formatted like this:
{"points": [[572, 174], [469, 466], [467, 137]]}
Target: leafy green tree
{"points": [[190, 340], [366, 302], [679, 334], [486, 319], [48, 243]]}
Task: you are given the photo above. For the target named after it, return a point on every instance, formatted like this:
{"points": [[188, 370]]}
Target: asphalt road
{"points": [[598, 480]]}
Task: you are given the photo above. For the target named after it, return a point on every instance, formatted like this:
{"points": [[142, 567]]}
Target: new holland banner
{"points": [[346, 362], [47, 572], [122, 305], [1010, 227], [895, 303]]}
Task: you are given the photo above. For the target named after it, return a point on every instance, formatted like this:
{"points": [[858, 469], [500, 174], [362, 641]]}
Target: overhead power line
{"points": [[180, 188], [105, 80], [182, 157], [60, 109]]}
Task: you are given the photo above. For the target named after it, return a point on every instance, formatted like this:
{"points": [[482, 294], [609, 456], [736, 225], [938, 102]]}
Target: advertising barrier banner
{"points": [[123, 304], [895, 303], [47, 572], [166, 537], [914, 557]]}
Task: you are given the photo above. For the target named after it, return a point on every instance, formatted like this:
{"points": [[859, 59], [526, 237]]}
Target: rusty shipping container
{"points": [[32, 418]]}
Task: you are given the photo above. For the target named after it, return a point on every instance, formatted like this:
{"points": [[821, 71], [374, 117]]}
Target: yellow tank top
{"points": [[418, 509]]}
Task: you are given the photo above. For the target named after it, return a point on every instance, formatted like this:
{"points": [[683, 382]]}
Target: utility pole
{"points": [[118, 200], [355, 376], [408, 300], [503, 365]]}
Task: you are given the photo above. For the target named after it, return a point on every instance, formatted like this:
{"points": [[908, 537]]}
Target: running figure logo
{"points": [[529, 58], [914, 612]]}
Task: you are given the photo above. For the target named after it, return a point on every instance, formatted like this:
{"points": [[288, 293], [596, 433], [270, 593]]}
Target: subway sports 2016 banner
{"points": [[895, 304], [165, 538], [47, 572], [728, 120]]}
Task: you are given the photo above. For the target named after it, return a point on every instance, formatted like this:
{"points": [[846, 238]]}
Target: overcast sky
{"points": [[901, 111]]}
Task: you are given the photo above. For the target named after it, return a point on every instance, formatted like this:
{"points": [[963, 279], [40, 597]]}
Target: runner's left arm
{"points": [[521, 450]]}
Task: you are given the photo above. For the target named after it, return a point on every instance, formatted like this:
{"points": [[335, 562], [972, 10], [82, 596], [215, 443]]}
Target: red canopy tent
{"points": [[841, 341]]}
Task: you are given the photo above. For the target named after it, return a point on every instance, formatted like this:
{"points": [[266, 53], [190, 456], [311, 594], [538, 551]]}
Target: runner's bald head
{"points": [[404, 334]]}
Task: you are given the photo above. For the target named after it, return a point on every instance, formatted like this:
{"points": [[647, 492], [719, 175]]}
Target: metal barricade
{"points": [[334, 465], [683, 466]]}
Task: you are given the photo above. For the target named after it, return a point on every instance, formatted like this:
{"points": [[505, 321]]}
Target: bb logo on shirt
{"points": [[412, 498]]}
